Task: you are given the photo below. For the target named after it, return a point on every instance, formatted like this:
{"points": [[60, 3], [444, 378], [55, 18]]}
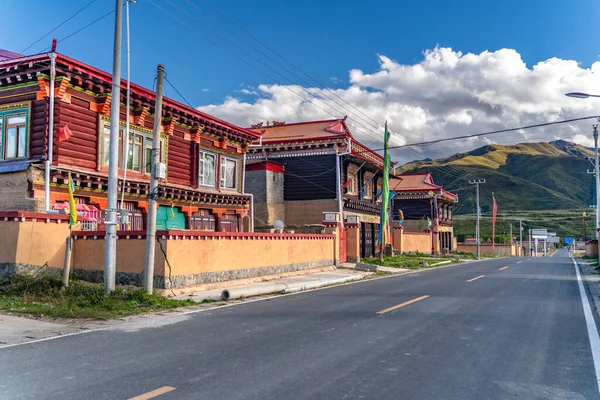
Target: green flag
{"points": [[386, 187]]}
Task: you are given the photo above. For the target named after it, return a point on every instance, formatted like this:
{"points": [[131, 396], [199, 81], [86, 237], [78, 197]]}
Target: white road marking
{"points": [[49, 338], [591, 326]]}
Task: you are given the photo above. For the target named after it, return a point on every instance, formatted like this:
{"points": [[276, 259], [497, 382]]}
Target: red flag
{"points": [[494, 213], [347, 183], [64, 133]]}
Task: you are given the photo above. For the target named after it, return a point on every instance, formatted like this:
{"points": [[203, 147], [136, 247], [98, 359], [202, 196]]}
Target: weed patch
{"points": [[44, 297]]}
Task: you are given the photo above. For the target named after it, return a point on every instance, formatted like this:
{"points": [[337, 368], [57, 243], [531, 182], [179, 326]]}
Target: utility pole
{"points": [[597, 173], [584, 228], [521, 237], [151, 224], [110, 256], [478, 182], [511, 239], [530, 248]]}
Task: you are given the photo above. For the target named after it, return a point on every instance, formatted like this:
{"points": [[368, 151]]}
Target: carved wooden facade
{"points": [[211, 185]]}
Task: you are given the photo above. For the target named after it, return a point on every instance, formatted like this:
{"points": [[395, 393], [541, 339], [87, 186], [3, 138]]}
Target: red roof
{"points": [[416, 183], [5, 55], [107, 77], [312, 131]]}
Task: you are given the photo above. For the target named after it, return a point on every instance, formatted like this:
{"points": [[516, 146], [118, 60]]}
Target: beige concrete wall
{"points": [[88, 254], [8, 241], [353, 244], [208, 259], [420, 242], [370, 218], [487, 249], [308, 211], [33, 242], [201, 256], [41, 242]]}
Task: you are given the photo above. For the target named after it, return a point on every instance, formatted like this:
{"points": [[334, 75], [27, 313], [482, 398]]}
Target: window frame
{"points": [[134, 131], [11, 111], [368, 187], [201, 153], [223, 163]]}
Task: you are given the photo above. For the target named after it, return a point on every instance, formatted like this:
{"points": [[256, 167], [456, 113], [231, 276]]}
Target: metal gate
{"points": [[343, 244], [366, 243]]}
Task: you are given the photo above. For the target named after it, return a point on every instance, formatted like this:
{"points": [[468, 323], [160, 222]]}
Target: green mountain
{"points": [[525, 178]]}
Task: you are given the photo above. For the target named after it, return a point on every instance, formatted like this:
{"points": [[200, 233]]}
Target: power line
{"points": [[239, 58], [428, 143], [377, 124], [59, 25], [261, 62], [81, 29], [178, 92]]}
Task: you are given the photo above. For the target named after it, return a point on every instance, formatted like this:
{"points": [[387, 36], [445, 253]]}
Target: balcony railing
{"points": [[362, 206]]}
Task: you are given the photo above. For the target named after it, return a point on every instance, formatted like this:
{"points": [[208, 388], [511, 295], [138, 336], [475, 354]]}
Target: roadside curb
{"points": [[592, 282]]}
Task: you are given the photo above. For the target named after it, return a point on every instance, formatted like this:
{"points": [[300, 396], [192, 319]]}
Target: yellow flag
{"points": [[172, 212], [72, 209]]}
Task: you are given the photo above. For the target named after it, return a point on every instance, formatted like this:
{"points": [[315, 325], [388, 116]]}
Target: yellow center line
{"points": [[503, 268], [477, 277], [154, 393], [402, 304]]}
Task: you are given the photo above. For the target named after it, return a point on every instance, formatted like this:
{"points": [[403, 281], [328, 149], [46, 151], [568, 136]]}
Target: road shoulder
{"points": [[591, 278]]}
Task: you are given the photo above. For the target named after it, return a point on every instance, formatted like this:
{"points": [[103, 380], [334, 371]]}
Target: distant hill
{"points": [[527, 176]]}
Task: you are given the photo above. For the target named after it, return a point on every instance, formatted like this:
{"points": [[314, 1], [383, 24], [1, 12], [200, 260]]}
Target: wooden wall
{"points": [[82, 147]]}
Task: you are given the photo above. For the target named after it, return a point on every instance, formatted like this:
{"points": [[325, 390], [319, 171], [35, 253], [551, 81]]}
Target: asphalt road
{"points": [[483, 332]]}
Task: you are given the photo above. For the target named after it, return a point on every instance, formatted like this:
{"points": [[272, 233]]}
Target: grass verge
{"points": [[44, 297], [411, 261]]}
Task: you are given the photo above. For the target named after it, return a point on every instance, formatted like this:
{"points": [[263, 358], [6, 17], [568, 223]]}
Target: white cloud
{"points": [[446, 94], [205, 90]]}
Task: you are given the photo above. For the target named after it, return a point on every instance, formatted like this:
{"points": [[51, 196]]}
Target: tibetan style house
{"points": [[299, 171], [204, 156], [425, 206]]}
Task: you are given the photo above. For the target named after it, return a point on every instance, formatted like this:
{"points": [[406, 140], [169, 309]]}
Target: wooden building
{"points": [[425, 207], [204, 156], [292, 174]]}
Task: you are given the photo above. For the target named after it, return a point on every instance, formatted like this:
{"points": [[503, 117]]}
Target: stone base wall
{"points": [[15, 193], [308, 212]]}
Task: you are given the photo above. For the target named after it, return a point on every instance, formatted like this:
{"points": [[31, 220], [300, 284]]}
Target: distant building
{"points": [[293, 174], [425, 207]]}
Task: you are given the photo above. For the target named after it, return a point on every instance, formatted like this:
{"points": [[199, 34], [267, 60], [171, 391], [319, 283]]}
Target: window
{"points": [[352, 184], [368, 187], [139, 151], [14, 141], [134, 158], [228, 173], [206, 169]]}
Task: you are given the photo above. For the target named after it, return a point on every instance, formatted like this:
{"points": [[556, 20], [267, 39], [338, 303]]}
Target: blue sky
{"points": [[324, 38], [329, 39]]}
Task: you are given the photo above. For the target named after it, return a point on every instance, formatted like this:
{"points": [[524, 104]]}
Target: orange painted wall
{"points": [[88, 254], [33, 243], [498, 250], [416, 242], [200, 256]]}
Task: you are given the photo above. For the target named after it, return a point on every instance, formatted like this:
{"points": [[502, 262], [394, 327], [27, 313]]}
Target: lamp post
{"points": [[581, 95]]}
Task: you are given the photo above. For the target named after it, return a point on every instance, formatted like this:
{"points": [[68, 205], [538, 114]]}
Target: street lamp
{"points": [[581, 95]]}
